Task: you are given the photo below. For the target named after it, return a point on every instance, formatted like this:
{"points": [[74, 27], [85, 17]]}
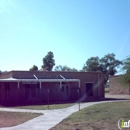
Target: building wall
{"points": [[33, 93], [8, 92], [56, 93], [116, 87], [96, 78]]}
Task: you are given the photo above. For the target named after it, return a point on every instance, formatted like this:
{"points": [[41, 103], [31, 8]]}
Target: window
{"points": [[89, 89], [65, 89]]}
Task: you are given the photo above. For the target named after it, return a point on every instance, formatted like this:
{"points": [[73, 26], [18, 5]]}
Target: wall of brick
{"points": [[21, 94], [90, 77]]}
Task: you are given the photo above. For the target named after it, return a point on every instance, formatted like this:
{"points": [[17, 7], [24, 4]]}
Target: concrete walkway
{"points": [[50, 117]]}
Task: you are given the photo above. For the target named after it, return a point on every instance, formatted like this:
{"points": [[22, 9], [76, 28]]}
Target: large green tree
{"points": [[65, 68], [92, 64], [48, 61], [107, 65], [34, 68]]}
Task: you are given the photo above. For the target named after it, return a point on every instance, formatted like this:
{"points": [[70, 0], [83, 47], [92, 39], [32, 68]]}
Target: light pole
{"points": [[48, 98], [78, 99]]}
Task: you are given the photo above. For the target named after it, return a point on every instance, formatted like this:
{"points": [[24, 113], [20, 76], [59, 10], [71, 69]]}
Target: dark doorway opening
{"points": [[89, 89]]}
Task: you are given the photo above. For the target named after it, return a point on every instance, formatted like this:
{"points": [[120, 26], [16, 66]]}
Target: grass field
{"points": [[8, 119], [45, 107], [97, 117]]}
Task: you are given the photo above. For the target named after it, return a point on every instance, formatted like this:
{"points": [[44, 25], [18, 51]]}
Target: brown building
{"points": [[116, 87], [20, 87]]}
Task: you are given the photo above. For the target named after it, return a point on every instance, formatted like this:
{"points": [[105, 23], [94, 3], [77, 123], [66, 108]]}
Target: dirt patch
{"points": [[8, 119], [108, 95]]}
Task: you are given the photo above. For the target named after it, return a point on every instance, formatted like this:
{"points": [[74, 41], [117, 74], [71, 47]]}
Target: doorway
{"points": [[32, 91], [65, 89], [89, 89]]}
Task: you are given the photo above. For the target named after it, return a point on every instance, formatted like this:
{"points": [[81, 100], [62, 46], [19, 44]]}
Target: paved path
{"points": [[49, 119]]}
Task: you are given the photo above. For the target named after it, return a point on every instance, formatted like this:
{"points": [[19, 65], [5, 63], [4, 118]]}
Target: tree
{"points": [[126, 65], [58, 68], [34, 68], [65, 68], [48, 61], [125, 78], [74, 70], [107, 65], [92, 64]]}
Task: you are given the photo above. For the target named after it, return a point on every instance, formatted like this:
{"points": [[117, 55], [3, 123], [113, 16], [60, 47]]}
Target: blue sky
{"points": [[74, 30]]}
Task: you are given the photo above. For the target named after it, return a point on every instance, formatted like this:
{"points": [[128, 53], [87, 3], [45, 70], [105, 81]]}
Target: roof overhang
{"points": [[38, 80]]}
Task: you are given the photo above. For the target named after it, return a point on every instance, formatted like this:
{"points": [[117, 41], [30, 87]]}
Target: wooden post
{"points": [[18, 92], [48, 99], [60, 91], [40, 85], [40, 96]]}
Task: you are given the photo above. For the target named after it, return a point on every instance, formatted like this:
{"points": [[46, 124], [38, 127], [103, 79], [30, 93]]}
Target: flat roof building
{"points": [[26, 87]]}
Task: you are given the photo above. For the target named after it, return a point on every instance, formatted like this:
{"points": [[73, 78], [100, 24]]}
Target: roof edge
{"points": [[55, 71]]}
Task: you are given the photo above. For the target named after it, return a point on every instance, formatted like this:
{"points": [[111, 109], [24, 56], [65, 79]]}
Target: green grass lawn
{"points": [[8, 119], [45, 107], [97, 117]]}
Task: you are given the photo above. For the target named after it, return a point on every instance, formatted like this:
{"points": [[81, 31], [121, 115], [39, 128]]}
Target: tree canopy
{"points": [[125, 78], [48, 61], [65, 68], [92, 64], [107, 65], [126, 65], [34, 68]]}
